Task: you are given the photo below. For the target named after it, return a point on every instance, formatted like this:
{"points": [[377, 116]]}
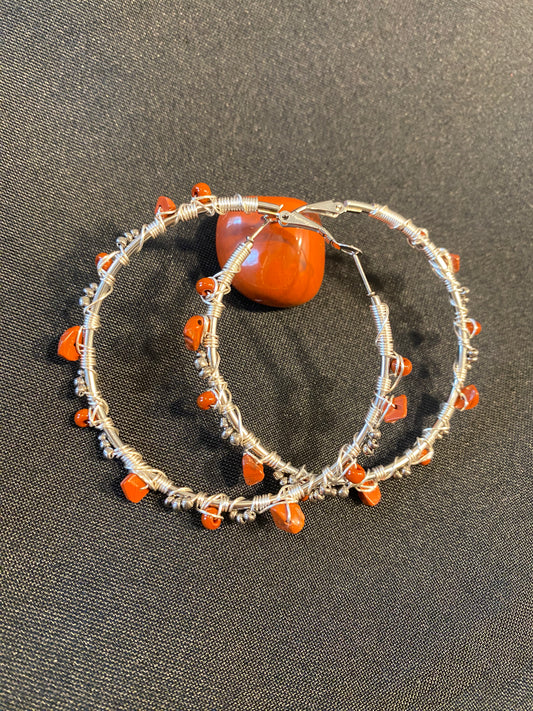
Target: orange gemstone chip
{"points": [[355, 474], [426, 457], [396, 364], [164, 204], [193, 332], [206, 400], [105, 265], [252, 470], [200, 190], [81, 418], [288, 517], [473, 327], [205, 286], [66, 347], [210, 519], [370, 498], [456, 262], [398, 409], [468, 399], [134, 488]]}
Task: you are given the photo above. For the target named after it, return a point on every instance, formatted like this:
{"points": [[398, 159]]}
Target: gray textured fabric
{"points": [[423, 602]]}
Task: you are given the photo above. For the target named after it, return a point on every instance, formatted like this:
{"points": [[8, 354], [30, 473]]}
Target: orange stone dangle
{"points": [[205, 286], [468, 398], [81, 418], [356, 474], [105, 265], [206, 400], [398, 409], [252, 469], [67, 346], [193, 332], [288, 517], [286, 265], [200, 190], [456, 262], [396, 366], [473, 327], [426, 457], [211, 520], [371, 497], [134, 488], [164, 205]]}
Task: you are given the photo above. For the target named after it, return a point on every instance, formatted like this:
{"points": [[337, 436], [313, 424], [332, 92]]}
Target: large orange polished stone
{"points": [[285, 266]]}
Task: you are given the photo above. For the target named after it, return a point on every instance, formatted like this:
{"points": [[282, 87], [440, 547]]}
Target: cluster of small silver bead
{"points": [[105, 445], [80, 386]]}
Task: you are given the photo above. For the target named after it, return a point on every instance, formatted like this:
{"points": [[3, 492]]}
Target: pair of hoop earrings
{"points": [[297, 484]]}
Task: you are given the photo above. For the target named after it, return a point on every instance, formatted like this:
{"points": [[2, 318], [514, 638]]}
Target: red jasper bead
{"points": [[370, 498], [105, 265], [66, 347], [210, 519], [398, 409], [285, 266], [252, 470], [288, 517], [164, 204], [468, 399], [396, 365], [426, 457], [193, 332], [134, 488], [473, 327], [355, 474], [205, 286], [456, 262], [81, 418], [206, 400], [200, 190]]}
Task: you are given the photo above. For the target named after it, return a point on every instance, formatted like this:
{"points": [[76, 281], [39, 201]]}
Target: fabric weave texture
{"points": [[423, 602]]}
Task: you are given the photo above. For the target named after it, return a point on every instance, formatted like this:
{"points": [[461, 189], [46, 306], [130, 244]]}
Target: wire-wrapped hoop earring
{"points": [[296, 483], [445, 266], [201, 336]]}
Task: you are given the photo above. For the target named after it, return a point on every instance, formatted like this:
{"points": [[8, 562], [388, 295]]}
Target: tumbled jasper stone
{"points": [[285, 266], [193, 331], [66, 347], [211, 522], [469, 399], [288, 517], [252, 470], [134, 487], [398, 410]]}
